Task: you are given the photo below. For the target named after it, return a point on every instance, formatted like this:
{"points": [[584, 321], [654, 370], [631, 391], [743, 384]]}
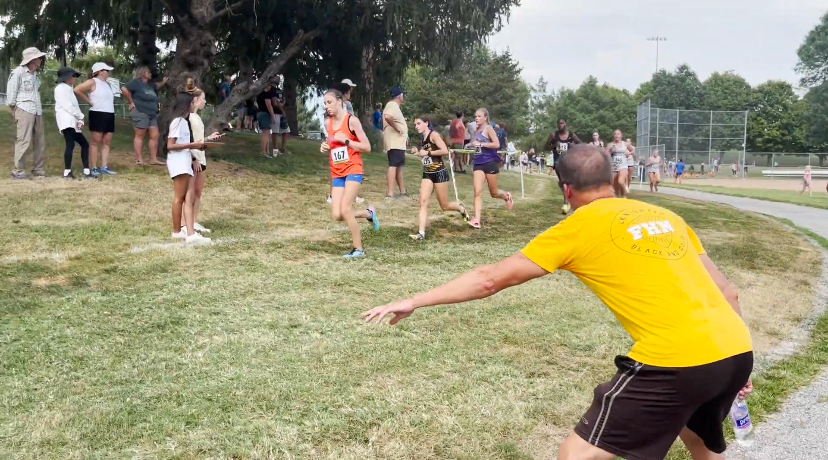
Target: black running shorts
{"points": [[101, 122], [396, 158], [640, 412], [488, 168], [438, 177]]}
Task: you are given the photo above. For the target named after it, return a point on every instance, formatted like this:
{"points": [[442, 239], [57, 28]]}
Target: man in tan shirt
{"points": [[394, 134]]}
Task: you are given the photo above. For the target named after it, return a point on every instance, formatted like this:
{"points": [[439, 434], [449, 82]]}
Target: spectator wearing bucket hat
{"points": [[23, 94], [101, 98], [69, 119]]}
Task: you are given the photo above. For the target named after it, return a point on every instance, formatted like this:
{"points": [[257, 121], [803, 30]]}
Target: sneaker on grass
{"points": [[197, 238]]}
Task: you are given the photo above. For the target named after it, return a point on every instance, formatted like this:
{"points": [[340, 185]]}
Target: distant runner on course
{"points": [[692, 353], [559, 143]]}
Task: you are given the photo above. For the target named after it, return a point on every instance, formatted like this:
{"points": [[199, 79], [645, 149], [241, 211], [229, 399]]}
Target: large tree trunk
{"points": [[146, 52], [245, 90], [290, 105], [366, 96]]}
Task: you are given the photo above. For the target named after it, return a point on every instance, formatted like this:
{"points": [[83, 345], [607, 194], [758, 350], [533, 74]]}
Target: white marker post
{"points": [[453, 181]]}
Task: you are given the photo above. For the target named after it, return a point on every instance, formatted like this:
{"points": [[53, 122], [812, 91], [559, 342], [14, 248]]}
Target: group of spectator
{"points": [[24, 100]]}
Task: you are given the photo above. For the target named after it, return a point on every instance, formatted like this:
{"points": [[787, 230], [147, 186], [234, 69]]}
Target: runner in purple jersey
{"points": [[486, 165]]}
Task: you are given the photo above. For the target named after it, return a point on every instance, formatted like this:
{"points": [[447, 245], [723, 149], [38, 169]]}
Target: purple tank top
{"points": [[485, 154]]}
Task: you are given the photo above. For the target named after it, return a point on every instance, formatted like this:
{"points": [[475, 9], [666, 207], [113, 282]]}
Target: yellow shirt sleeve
{"points": [[694, 240], [553, 249]]}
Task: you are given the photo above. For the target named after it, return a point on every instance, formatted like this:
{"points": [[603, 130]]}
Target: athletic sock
{"points": [[86, 171], [371, 217], [66, 172], [422, 233]]}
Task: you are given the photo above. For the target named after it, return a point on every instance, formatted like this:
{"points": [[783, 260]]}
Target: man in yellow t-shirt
{"points": [[394, 134], [692, 354]]}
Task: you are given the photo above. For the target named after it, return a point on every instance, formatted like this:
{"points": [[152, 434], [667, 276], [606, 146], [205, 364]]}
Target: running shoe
{"points": [[474, 224], [267, 155], [197, 238], [19, 175], [96, 172], [89, 176], [417, 237], [373, 219], [566, 208], [107, 171], [464, 213], [182, 235], [69, 176], [200, 228], [355, 254]]}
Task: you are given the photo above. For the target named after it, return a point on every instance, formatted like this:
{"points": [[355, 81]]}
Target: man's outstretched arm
{"points": [[482, 282]]}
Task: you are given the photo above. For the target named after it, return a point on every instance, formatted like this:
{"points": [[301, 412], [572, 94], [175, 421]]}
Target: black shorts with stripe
{"points": [[640, 412], [438, 177]]}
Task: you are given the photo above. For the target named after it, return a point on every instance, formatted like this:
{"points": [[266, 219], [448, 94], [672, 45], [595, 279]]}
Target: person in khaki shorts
{"points": [[23, 93]]}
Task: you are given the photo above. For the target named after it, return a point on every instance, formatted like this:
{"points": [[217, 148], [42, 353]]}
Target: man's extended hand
{"points": [[401, 310]]}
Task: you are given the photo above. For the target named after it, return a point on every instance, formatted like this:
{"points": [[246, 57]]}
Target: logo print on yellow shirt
{"points": [[648, 233]]}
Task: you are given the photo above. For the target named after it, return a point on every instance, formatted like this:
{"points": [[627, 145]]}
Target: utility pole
{"points": [[657, 40]]}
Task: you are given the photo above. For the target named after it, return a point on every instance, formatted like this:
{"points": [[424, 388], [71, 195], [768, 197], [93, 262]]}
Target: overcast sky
{"points": [[565, 41]]}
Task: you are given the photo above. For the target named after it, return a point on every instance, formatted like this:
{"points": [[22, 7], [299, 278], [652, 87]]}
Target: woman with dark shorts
{"points": [[486, 165], [142, 95], [432, 153], [99, 95]]}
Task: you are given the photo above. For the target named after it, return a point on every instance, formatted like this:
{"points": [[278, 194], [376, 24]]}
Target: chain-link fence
{"points": [[698, 137]]}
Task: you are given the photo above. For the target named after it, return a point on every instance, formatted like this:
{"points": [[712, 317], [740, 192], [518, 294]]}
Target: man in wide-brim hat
{"points": [[23, 95]]}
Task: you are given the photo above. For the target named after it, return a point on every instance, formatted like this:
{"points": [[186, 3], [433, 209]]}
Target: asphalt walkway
{"points": [[800, 429]]}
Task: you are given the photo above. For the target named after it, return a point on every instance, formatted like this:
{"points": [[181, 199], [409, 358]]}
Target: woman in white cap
{"points": [[101, 99], [23, 98], [70, 121]]}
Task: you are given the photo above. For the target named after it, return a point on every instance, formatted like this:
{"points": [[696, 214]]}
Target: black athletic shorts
{"points": [[101, 122], [639, 413], [396, 158], [438, 177], [488, 168]]}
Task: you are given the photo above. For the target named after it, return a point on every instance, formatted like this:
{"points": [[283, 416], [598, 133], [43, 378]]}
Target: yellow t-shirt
{"points": [[643, 262], [391, 138]]}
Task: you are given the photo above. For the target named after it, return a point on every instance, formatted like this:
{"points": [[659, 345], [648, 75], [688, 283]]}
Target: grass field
{"points": [[117, 343]]}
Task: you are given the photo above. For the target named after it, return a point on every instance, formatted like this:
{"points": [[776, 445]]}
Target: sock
{"points": [[66, 172], [422, 233], [371, 218], [86, 171]]}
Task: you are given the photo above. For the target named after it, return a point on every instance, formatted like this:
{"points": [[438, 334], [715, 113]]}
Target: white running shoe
{"points": [[196, 238], [276, 153], [182, 235], [359, 200], [200, 228]]}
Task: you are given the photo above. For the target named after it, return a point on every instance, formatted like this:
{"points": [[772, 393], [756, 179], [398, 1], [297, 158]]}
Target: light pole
{"points": [[657, 40]]}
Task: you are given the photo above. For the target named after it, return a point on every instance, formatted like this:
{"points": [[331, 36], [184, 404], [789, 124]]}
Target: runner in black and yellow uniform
{"points": [[433, 152]]}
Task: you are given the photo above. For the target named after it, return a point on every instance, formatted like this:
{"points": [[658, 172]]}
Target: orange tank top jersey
{"points": [[343, 159]]}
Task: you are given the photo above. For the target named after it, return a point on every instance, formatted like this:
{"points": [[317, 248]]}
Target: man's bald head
{"points": [[584, 168]]}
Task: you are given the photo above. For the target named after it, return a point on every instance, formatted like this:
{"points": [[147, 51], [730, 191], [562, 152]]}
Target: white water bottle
{"points": [[742, 426]]}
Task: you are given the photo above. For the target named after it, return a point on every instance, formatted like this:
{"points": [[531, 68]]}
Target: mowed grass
{"points": [[118, 343], [818, 200]]}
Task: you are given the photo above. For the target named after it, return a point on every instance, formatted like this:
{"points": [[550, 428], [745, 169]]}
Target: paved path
{"points": [[799, 431]]}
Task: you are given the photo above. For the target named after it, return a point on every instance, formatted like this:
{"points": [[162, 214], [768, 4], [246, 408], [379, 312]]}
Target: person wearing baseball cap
{"points": [[101, 98], [346, 88], [394, 135], [23, 96], [69, 119]]}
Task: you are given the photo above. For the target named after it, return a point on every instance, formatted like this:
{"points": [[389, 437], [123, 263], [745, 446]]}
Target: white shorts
{"points": [[630, 162], [179, 162], [280, 125]]}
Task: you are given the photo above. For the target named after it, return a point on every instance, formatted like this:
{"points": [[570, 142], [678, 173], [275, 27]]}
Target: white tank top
{"points": [[102, 97], [617, 149]]}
